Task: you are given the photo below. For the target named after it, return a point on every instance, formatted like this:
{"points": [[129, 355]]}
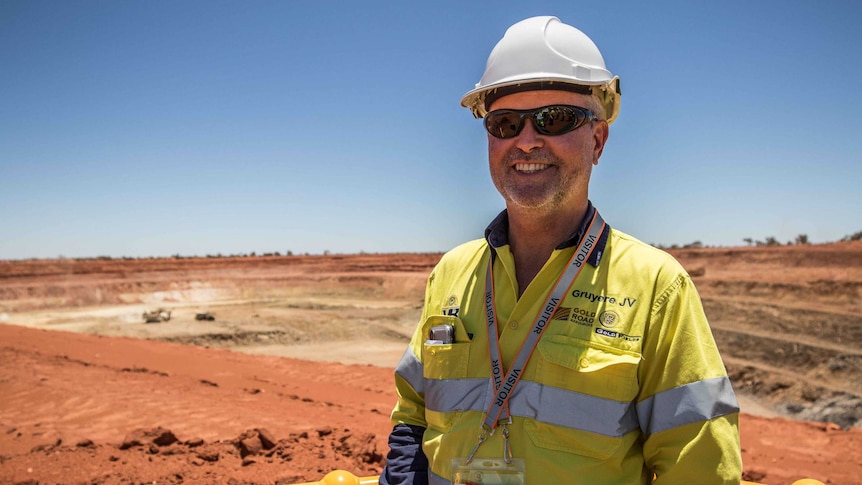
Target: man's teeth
{"points": [[530, 167]]}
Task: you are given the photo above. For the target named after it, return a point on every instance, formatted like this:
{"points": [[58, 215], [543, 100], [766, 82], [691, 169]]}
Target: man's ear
{"points": [[600, 137]]}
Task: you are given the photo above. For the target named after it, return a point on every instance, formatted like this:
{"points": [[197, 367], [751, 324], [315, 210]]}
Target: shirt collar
{"points": [[497, 233]]}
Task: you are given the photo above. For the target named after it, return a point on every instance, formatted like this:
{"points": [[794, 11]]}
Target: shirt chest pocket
{"points": [[445, 360], [589, 368]]}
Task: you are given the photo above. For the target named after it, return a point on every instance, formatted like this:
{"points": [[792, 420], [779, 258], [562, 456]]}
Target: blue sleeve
{"points": [[406, 463]]}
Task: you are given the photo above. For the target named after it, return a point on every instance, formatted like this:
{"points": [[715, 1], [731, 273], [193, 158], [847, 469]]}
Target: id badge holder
{"points": [[488, 471]]}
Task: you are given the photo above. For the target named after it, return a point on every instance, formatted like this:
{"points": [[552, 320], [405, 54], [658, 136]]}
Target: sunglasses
{"points": [[551, 120]]}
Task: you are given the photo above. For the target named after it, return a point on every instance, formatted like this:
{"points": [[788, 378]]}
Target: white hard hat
{"points": [[544, 53]]}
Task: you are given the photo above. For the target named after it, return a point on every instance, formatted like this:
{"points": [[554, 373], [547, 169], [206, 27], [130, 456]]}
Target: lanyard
{"points": [[504, 386]]}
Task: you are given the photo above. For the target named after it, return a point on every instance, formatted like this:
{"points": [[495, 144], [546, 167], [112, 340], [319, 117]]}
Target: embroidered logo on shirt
{"points": [[581, 316], [562, 313], [452, 308], [609, 319], [619, 335], [625, 301]]}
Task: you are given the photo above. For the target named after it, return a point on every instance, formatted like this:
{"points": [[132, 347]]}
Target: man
{"points": [[558, 349]]}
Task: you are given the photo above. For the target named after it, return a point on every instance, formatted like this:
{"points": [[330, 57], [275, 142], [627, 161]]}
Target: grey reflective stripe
{"points": [[435, 479], [557, 406], [410, 369], [536, 401], [456, 395], [691, 403]]}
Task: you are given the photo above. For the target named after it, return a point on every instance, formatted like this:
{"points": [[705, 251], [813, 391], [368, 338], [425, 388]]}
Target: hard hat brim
{"points": [[475, 100]]}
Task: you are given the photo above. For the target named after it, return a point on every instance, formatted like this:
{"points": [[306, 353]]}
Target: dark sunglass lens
{"points": [[503, 124], [556, 120]]}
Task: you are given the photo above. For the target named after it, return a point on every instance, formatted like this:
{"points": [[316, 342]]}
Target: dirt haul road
{"points": [[178, 404]]}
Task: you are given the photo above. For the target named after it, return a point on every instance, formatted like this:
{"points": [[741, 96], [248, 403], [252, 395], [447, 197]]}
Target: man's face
{"points": [[545, 173]]}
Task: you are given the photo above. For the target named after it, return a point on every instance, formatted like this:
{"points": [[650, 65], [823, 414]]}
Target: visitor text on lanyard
{"points": [[505, 386]]}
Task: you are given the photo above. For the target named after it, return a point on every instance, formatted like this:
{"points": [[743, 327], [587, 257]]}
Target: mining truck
{"points": [[157, 316]]}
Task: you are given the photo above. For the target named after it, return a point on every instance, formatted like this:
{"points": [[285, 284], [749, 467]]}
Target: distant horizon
{"points": [[326, 253]]}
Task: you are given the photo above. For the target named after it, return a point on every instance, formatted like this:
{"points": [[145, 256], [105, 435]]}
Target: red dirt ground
{"points": [[81, 408]]}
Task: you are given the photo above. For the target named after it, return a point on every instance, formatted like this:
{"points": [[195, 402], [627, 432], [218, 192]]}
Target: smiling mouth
{"points": [[530, 167]]}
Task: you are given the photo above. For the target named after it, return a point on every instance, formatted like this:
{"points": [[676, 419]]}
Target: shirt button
{"points": [[513, 324], [584, 363]]}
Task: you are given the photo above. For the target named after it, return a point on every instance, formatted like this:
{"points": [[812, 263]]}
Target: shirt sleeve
{"points": [[686, 407], [406, 464]]}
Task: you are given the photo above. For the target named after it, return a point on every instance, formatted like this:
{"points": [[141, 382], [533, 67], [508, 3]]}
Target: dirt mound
{"points": [[82, 408], [157, 456]]}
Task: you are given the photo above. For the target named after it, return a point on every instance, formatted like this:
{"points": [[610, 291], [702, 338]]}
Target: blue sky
{"points": [[139, 128]]}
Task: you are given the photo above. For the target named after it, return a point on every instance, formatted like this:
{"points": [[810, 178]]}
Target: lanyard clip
{"points": [[507, 448], [482, 437]]}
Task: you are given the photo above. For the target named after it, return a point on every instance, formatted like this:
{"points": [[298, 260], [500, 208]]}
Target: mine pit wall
{"points": [[80, 293], [788, 323], [48, 284]]}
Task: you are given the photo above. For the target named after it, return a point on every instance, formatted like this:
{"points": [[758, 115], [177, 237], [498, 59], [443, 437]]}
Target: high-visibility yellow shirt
{"points": [[625, 382]]}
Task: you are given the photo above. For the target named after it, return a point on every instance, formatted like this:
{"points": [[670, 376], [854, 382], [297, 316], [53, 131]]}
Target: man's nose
{"points": [[529, 139]]}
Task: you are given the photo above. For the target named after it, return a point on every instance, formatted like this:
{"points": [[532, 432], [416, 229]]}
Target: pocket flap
{"points": [[583, 356]]}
